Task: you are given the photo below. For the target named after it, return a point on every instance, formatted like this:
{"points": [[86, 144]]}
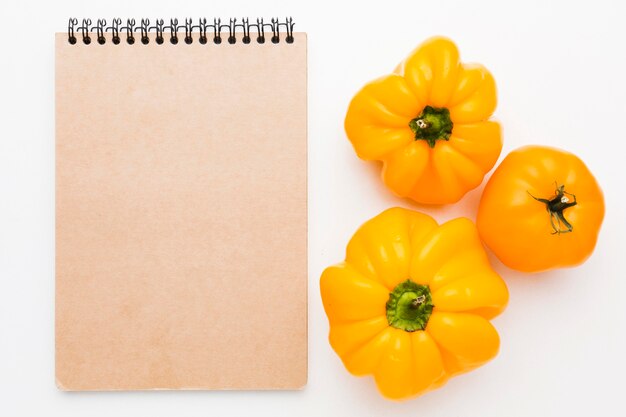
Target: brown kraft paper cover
{"points": [[181, 216]]}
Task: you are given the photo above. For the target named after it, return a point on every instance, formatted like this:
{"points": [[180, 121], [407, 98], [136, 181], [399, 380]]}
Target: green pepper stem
{"points": [[555, 206], [432, 124], [409, 306]]}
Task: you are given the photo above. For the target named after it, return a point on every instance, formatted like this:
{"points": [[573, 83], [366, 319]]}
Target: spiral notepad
{"points": [[181, 215]]}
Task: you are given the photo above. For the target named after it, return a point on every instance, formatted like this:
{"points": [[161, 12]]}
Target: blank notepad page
{"points": [[181, 215]]}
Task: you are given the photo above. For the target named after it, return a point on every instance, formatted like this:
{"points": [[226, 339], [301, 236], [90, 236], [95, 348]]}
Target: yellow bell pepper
{"points": [[411, 303], [429, 124]]}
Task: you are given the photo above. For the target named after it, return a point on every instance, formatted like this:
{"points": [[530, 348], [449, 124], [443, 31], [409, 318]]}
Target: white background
{"points": [[560, 69]]}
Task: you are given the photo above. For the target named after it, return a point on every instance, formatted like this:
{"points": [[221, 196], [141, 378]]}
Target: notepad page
{"points": [[181, 215]]}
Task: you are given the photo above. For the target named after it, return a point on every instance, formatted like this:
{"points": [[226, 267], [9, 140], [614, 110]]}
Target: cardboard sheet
{"points": [[181, 216]]}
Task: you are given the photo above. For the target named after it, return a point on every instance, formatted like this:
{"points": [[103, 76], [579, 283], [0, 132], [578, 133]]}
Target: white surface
{"points": [[560, 72]]}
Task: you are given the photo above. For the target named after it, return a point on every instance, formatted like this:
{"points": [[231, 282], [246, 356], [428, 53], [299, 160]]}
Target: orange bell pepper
{"points": [[412, 301], [541, 209], [429, 124]]}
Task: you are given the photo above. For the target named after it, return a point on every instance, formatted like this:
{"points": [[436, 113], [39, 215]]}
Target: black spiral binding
{"points": [[201, 31]]}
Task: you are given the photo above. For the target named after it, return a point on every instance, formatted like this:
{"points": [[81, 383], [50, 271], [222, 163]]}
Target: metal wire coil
{"points": [[198, 31]]}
